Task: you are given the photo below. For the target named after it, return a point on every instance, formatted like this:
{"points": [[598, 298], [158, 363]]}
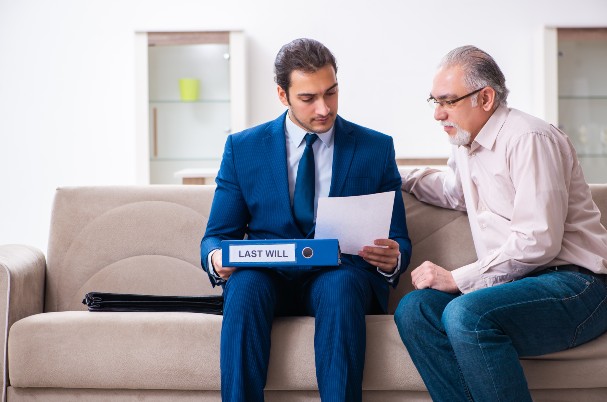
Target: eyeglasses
{"points": [[448, 104]]}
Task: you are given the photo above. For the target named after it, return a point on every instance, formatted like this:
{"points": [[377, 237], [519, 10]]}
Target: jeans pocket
{"points": [[583, 300]]}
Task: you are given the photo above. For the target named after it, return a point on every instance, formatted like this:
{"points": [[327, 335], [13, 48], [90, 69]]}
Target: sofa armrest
{"points": [[22, 274]]}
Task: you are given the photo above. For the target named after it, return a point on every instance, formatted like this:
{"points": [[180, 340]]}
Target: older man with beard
{"points": [[538, 285]]}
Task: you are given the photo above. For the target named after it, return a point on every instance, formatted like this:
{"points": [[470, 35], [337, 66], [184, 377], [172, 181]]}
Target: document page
{"points": [[355, 221]]}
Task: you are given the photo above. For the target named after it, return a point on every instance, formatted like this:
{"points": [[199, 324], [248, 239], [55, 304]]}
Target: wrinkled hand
{"points": [[223, 272], [384, 257], [430, 275]]}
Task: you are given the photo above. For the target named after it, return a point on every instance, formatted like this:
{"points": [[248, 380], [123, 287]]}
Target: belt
{"points": [[581, 270]]}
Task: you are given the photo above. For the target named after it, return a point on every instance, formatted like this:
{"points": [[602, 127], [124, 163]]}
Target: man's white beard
{"points": [[461, 137]]}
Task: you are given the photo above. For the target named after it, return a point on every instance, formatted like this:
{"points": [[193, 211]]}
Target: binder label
{"points": [[263, 253]]}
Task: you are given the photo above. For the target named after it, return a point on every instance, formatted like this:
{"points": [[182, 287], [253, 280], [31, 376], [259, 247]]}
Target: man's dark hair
{"points": [[307, 55]]}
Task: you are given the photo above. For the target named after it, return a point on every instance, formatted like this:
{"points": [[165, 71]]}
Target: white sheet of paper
{"points": [[355, 221]]}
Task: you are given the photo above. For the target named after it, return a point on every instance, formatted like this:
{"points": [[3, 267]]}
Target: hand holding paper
{"points": [[384, 255], [355, 221]]}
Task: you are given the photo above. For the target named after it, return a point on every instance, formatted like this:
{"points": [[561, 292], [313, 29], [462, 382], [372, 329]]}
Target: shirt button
{"points": [[483, 226]]}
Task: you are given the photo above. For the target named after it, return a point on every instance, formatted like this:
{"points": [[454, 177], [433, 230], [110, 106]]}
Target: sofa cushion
{"points": [[578, 368], [115, 350], [179, 351]]}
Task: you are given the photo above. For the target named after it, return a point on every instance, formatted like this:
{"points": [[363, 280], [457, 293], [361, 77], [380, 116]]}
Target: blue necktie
{"points": [[303, 198]]}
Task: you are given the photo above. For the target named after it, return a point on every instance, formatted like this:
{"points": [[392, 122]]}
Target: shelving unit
{"points": [[582, 96], [186, 134]]}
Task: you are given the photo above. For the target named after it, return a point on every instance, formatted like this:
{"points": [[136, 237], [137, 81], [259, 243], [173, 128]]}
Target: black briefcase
{"points": [[98, 301]]}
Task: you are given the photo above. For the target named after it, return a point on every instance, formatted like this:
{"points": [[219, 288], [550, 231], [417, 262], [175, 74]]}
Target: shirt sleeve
{"points": [[540, 174], [218, 279], [392, 276], [437, 187]]}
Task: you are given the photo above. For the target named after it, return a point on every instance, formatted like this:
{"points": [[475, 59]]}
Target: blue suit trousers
{"points": [[338, 298]]}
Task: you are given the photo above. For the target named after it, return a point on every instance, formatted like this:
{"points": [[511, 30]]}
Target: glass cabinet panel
{"points": [[582, 96], [189, 131], [188, 126]]}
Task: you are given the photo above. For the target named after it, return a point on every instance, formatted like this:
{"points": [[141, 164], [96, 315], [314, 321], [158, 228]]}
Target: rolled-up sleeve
{"points": [[442, 188]]}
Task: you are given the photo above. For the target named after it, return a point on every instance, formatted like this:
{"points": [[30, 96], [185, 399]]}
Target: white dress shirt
{"points": [[528, 203], [323, 159]]}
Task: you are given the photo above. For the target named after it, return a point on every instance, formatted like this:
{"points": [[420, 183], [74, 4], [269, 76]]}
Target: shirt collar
{"points": [[297, 134], [488, 135]]}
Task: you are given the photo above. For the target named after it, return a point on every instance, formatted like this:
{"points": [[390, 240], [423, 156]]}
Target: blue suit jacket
{"points": [[252, 195]]}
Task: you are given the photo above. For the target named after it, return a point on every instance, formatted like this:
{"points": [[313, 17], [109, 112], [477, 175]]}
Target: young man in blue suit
{"points": [[259, 195]]}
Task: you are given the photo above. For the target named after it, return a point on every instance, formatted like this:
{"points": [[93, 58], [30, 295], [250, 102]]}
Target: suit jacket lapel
{"points": [[276, 155], [345, 143]]}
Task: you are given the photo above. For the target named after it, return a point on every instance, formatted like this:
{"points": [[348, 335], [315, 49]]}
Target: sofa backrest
{"points": [[126, 239], [439, 235], [146, 239]]}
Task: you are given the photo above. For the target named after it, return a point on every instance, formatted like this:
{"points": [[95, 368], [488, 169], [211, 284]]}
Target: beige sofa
{"points": [[146, 240]]}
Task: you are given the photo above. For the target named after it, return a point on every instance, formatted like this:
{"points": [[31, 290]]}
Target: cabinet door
{"points": [[192, 129], [582, 99]]}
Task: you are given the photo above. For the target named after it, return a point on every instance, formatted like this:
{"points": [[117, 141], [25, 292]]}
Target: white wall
{"points": [[67, 84]]}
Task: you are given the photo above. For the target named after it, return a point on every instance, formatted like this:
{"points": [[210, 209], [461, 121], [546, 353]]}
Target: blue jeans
{"points": [[467, 347]]}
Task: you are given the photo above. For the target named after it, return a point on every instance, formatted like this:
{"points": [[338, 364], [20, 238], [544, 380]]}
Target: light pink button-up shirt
{"points": [[528, 204]]}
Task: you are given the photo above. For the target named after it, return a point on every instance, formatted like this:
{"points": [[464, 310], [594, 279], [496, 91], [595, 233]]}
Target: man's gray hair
{"points": [[480, 70]]}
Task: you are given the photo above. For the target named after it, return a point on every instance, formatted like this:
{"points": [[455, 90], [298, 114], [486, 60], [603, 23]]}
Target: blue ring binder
{"points": [[280, 253]]}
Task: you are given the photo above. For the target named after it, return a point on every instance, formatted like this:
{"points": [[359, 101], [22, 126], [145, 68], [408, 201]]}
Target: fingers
{"points": [[424, 276], [383, 248], [429, 275], [386, 243], [223, 272]]}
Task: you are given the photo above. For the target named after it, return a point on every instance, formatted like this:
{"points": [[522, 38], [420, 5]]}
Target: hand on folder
{"points": [[222, 271], [384, 256]]}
